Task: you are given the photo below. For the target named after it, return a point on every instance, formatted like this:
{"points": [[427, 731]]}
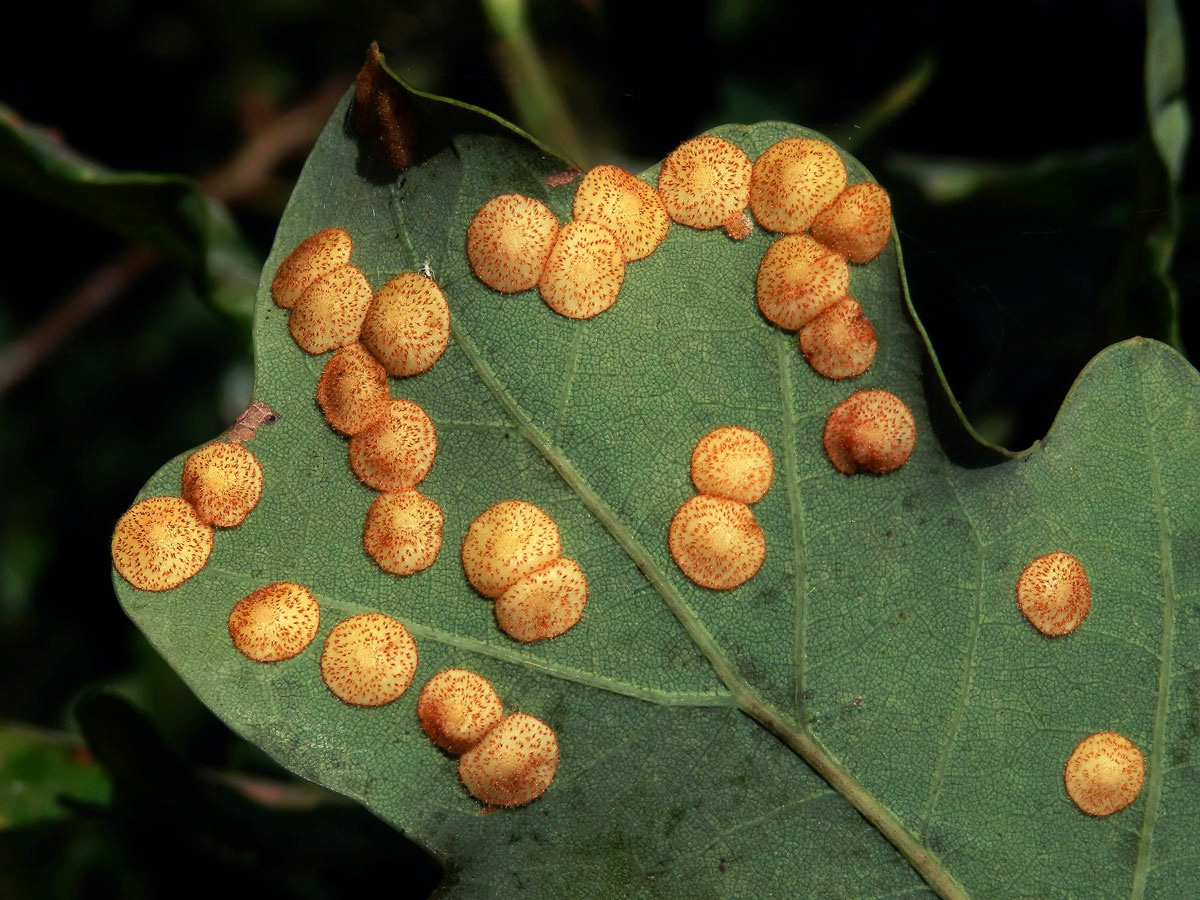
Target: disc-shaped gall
{"points": [[544, 603], [330, 312], [513, 764], [840, 342], [716, 542], [506, 542], [798, 279], [705, 183], [584, 271], [870, 431], [368, 660], [316, 255], [223, 482], [395, 452], [625, 205], [457, 708], [793, 181], [275, 622], [352, 390], [403, 533], [857, 224], [509, 240], [407, 327], [160, 543], [1054, 594], [1104, 773], [733, 462]]}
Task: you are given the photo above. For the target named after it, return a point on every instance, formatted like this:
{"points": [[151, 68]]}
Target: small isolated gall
{"points": [[396, 452], [506, 542], [330, 312], [544, 603], [625, 205], [352, 390], [513, 764], [160, 543], [275, 622], [368, 660], [403, 532], [798, 279], [716, 542], [870, 430], [1104, 773], [223, 482], [408, 325], [705, 183], [584, 271], [733, 462], [1054, 594], [457, 708], [840, 342], [509, 240], [857, 224], [793, 181], [317, 255]]}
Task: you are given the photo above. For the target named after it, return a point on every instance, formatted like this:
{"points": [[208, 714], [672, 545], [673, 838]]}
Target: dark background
{"points": [[1012, 143]]}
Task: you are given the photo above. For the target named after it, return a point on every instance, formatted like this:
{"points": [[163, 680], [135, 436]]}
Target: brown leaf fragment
{"points": [[382, 110], [247, 424]]}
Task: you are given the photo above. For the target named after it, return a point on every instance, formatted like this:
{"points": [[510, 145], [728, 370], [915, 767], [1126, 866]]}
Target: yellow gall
{"points": [[513, 764], [506, 542], [160, 543], [705, 183], [223, 482], [275, 622], [733, 462], [793, 181], [403, 532], [1104, 773], [840, 342], [584, 271], [544, 603], [395, 452], [408, 325], [625, 205], [1054, 594], [870, 431], [716, 542], [330, 312], [316, 256], [857, 224], [368, 660], [798, 279], [352, 390], [457, 708], [509, 240]]}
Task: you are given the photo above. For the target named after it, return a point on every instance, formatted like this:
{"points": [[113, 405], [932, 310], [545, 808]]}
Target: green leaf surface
{"points": [[868, 717]]}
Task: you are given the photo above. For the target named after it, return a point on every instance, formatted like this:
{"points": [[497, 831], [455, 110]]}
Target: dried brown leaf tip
{"points": [[330, 312], [275, 622], [382, 110], [857, 224], [223, 482], [316, 256], [733, 462], [1053, 593], [793, 181], [509, 240], [705, 183], [798, 279], [716, 542], [1104, 773], [352, 390], [506, 542], [457, 708], [160, 543], [408, 325], [403, 532], [584, 271], [870, 431], [396, 452], [513, 764], [625, 205], [368, 660], [544, 603], [840, 342]]}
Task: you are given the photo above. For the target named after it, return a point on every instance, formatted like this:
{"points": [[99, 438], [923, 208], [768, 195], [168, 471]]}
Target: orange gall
{"points": [[513, 764], [1054, 594], [223, 482], [705, 183], [403, 533], [584, 271], [407, 327], [352, 390], [716, 542], [857, 224], [793, 181], [316, 256], [798, 279], [275, 622], [330, 312], [368, 660], [544, 603], [509, 240], [733, 462], [871, 431], [506, 542], [1104, 773], [840, 342], [625, 205], [457, 708], [160, 543], [395, 452]]}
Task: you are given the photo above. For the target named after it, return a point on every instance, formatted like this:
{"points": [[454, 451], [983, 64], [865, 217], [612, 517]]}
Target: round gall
{"points": [[396, 452], [317, 255], [625, 205], [798, 279], [223, 482], [545, 603], [352, 390], [160, 543], [857, 224], [513, 764], [408, 325], [457, 708], [509, 240], [716, 542], [705, 183], [793, 181], [1104, 773], [1053, 593], [275, 622], [733, 462], [506, 542], [330, 312], [584, 271], [403, 533], [871, 431], [368, 660], [840, 342]]}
